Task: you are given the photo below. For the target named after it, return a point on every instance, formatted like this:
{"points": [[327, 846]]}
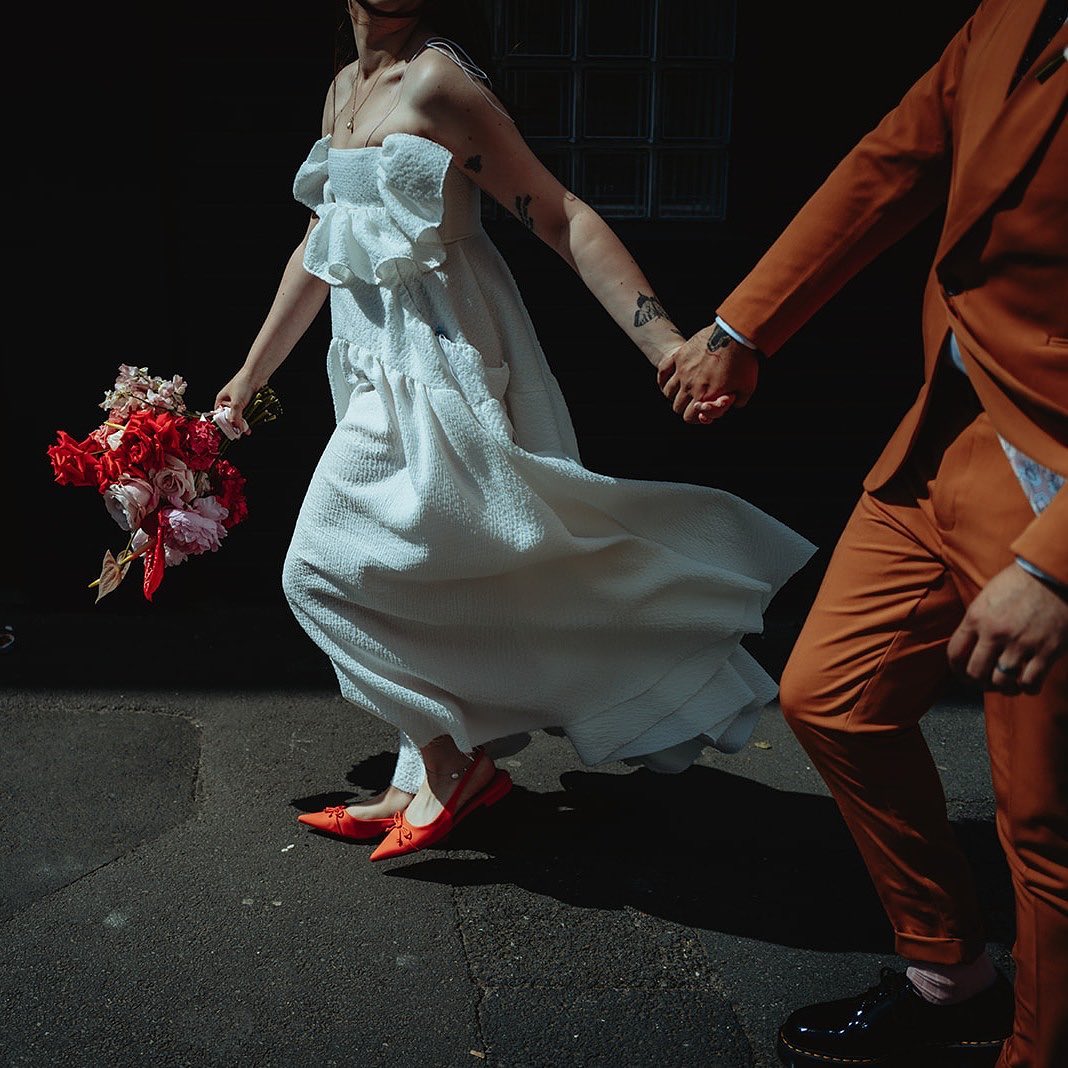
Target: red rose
{"points": [[167, 431], [200, 441], [112, 466], [146, 439], [75, 463], [137, 447], [229, 486]]}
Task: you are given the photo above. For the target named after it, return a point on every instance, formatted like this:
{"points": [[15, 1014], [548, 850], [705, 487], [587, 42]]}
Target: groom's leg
{"points": [[1028, 742], [868, 664]]}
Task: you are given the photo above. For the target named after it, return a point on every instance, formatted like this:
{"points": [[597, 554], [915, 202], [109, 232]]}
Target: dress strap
{"points": [[473, 71]]}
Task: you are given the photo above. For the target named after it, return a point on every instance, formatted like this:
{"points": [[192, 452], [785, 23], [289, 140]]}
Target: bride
{"points": [[468, 578]]}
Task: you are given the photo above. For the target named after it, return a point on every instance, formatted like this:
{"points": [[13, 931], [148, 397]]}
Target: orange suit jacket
{"points": [[998, 162]]}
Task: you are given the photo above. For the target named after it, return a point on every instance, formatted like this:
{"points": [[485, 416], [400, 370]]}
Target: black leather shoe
{"points": [[891, 1024]]}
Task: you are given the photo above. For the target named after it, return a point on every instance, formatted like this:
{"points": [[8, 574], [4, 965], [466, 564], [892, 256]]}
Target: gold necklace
{"points": [[352, 117], [350, 125]]}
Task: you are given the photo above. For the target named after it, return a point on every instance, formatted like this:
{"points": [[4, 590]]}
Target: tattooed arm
{"points": [[440, 102]]}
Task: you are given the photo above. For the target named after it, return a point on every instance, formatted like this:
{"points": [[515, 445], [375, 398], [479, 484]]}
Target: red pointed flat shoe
{"points": [[336, 820], [403, 837]]}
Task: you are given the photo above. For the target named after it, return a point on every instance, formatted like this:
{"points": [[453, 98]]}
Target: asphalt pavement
{"points": [[160, 905]]}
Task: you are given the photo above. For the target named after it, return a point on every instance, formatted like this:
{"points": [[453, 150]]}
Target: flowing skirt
{"points": [[461, 585]]}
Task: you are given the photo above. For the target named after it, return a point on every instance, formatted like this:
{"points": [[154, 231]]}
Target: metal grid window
{"points": [[627, 102]]}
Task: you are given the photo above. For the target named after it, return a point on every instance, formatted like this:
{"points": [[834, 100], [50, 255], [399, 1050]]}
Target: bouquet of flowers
{"points": [[160, 470]]}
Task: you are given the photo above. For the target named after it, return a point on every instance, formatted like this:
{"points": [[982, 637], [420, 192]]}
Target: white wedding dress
{"points": [[462, 570]]}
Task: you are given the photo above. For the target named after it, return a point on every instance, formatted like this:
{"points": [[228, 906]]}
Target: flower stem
{"points": [[124, 558]]}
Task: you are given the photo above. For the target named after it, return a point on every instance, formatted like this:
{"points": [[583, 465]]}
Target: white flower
{"points": [[129, 501]]}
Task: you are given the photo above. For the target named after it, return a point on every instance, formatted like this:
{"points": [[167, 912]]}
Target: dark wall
{"points": [[152, 210]]}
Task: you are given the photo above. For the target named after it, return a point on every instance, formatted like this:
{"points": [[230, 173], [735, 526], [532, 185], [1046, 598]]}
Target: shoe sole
{"points": [[960, 1055]]}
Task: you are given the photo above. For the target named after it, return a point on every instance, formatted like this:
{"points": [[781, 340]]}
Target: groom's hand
{"points": [[1012, 634], [708, 375]]}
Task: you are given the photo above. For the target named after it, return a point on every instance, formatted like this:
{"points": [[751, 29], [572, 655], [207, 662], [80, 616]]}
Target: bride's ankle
{"points": [[442, 759], [392, 799]]}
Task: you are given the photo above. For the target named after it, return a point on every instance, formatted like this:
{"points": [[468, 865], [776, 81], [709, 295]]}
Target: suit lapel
{"points": [[1002, 134]]}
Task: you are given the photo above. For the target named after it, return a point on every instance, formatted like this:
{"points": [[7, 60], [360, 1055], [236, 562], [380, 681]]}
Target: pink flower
{"points": [[135, 390], [190, 532], [167, 393], [100, 437], [210, 508], [129, 393], [175, 481], [171, 557], [129, 501]]}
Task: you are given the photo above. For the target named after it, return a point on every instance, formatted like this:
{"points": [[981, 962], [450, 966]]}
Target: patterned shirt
{"points": [[1040, 484]]}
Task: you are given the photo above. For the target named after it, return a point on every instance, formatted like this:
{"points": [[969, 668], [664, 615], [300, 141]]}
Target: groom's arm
{"points": [[893, 179]]}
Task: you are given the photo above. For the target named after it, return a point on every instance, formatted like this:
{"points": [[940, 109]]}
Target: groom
{"points": [[956, 556]]}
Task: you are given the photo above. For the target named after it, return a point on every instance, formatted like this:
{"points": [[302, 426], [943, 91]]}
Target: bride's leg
{"points": [[408, 776], [445, 765]]}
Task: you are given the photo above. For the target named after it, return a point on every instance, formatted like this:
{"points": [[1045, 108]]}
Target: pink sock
{"points": [[947, 984]]}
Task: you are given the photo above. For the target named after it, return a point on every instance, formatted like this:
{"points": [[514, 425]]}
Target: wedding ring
{"points": [[1008, 669]]}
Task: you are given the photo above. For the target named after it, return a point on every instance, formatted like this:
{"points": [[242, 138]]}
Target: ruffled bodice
{"points": [[386, 212], [417, 287]]}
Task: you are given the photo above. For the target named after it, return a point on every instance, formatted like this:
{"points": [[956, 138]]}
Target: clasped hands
{"points": [[708, 375]]}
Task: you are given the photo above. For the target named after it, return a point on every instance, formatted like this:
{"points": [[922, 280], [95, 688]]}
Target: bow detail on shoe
{"points": [[335, 812], [409, 838], [400, 825]]}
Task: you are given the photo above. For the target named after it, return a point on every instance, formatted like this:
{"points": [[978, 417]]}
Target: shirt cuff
{"points": [[740, 338], [1041, 575]]}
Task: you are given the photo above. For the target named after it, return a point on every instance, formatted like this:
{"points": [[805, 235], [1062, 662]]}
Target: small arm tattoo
{"points": [[473, 163], [718, 339], [650, 308], [522, 205]]}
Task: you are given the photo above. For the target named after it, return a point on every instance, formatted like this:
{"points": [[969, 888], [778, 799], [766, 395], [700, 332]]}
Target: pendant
{"points": [[348, 125]]}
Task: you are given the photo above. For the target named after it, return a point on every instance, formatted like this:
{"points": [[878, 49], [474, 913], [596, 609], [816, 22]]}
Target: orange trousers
{"points": [[871, 660]]}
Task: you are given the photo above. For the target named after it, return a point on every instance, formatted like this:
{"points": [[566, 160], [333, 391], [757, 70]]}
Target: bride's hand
{"points": [[236, 395], [708, 375]]}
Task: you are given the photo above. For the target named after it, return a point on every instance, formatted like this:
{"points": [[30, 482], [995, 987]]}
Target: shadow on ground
{"points": [[705, 849]]}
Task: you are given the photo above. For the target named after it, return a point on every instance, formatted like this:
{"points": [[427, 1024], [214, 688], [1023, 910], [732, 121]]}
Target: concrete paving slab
{"points": [[81, 784]]}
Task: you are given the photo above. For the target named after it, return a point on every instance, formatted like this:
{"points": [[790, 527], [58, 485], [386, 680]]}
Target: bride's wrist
{"points": [[658, 351], [255, 377]]}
